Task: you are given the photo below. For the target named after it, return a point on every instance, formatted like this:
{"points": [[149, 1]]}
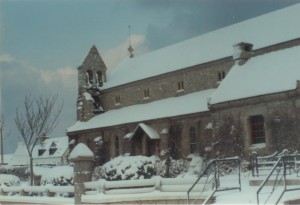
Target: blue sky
{"points": [[42, 42]]}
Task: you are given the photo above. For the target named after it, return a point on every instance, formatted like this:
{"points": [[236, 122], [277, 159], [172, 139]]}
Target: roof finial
{"points": [[130, 49]]}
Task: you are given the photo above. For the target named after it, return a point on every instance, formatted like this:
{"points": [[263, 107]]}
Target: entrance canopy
{"points": [[149, 131]]}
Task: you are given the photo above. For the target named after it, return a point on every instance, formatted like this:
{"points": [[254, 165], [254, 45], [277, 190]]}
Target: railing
{"points": [[264, 163], [215, 168], [277, 178]]}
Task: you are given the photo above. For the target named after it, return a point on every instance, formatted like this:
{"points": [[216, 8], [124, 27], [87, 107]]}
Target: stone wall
{"points": [[161, 126], [281, 119], [196, 78]]}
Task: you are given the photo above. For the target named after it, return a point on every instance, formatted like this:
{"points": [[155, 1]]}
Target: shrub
{"points": [[129, 167], [20, 171], [57, 176]]}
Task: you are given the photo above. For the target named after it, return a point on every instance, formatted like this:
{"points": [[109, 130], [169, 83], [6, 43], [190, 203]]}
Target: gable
{"points": [[149, 131]]}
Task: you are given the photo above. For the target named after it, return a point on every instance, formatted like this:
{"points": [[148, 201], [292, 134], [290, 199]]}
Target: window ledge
{"points": [[180, 91], [258, 146]]}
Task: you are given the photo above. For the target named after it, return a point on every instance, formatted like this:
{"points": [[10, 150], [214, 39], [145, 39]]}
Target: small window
{"points": [[41, 152], [193, 140], [146, 93], [117, 146], [118, 100], [221, 75], [52, 151], [257, 129], [180, 85]]}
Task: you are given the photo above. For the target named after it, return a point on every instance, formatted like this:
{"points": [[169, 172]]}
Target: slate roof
{"points": [[272, 28]]}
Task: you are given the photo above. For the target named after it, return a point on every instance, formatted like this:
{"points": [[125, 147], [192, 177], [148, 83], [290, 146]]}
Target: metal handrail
{"points": [[281, 161], [216, 177]]}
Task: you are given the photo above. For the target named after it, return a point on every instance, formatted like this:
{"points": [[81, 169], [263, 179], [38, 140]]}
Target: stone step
{"points": [[258, 182]]}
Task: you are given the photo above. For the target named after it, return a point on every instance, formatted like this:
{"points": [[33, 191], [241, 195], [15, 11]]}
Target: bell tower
{"points": [[91, 77]]}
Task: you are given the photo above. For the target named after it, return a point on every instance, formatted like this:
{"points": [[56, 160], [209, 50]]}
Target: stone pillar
{"points": [[82, 158]]}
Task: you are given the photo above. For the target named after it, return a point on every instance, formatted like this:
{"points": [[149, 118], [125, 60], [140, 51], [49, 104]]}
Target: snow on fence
{"points": [[143, 185], [156, 188], [27, 190]]}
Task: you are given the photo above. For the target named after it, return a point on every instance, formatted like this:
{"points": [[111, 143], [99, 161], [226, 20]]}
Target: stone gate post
{"points": [[82, 158]]}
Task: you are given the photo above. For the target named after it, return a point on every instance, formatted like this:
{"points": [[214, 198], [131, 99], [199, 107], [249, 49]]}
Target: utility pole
{"points": [[1, 138], [2, 121]]}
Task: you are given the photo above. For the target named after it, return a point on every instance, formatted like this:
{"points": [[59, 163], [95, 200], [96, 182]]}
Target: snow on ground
{"points": [[248, 194], [8, 179]]}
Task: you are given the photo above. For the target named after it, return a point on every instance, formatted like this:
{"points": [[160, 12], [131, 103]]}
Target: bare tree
{"points": [[38, 119]]}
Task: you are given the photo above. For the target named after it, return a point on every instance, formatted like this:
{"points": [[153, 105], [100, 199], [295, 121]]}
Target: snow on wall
{"points": [[175, 106], [269, 73], [262, 31]]}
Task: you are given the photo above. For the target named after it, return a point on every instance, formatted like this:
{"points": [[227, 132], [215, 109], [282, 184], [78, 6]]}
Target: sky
{"points": [[42, 42]]}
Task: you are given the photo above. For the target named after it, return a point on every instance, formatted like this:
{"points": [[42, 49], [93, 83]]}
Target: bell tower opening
{"points": [[91, 77]]}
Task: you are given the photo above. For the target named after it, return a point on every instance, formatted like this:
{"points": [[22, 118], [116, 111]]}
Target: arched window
{"points": [[89, 77], [117, 146], [193, 140], [99, 78]]}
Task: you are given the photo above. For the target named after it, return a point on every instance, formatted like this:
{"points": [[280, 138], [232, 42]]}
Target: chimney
{"points": [[242, 52]]}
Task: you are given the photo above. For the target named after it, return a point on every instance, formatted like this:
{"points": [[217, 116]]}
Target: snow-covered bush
{"points": [[9, 180], [129, 167], [171, 168], [57, 176], [20, 171]]}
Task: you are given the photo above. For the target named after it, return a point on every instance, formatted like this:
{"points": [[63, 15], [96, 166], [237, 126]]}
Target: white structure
{"points": [[20, 157], [51, 151]]}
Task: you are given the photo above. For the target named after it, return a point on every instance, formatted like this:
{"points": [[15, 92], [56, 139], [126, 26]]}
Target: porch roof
{"points": [[151, 133]]}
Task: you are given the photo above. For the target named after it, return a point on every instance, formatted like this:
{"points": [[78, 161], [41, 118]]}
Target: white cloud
{"points": [[5, 58], [66, 76], [115, 55]]}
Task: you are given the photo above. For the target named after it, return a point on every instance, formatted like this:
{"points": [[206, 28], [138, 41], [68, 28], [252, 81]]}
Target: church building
{"points": [[225, 93]]}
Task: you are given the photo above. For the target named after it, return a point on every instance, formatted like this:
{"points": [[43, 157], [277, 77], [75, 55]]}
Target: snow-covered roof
{"points": [[54, 147], [266, 74], [20, 156], [262, 31], [174, 106], [152, 134]]}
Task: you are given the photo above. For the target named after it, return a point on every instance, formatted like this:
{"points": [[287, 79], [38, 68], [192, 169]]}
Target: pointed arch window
{"points": [[99, 78], [89, 76], [193, 140]]}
